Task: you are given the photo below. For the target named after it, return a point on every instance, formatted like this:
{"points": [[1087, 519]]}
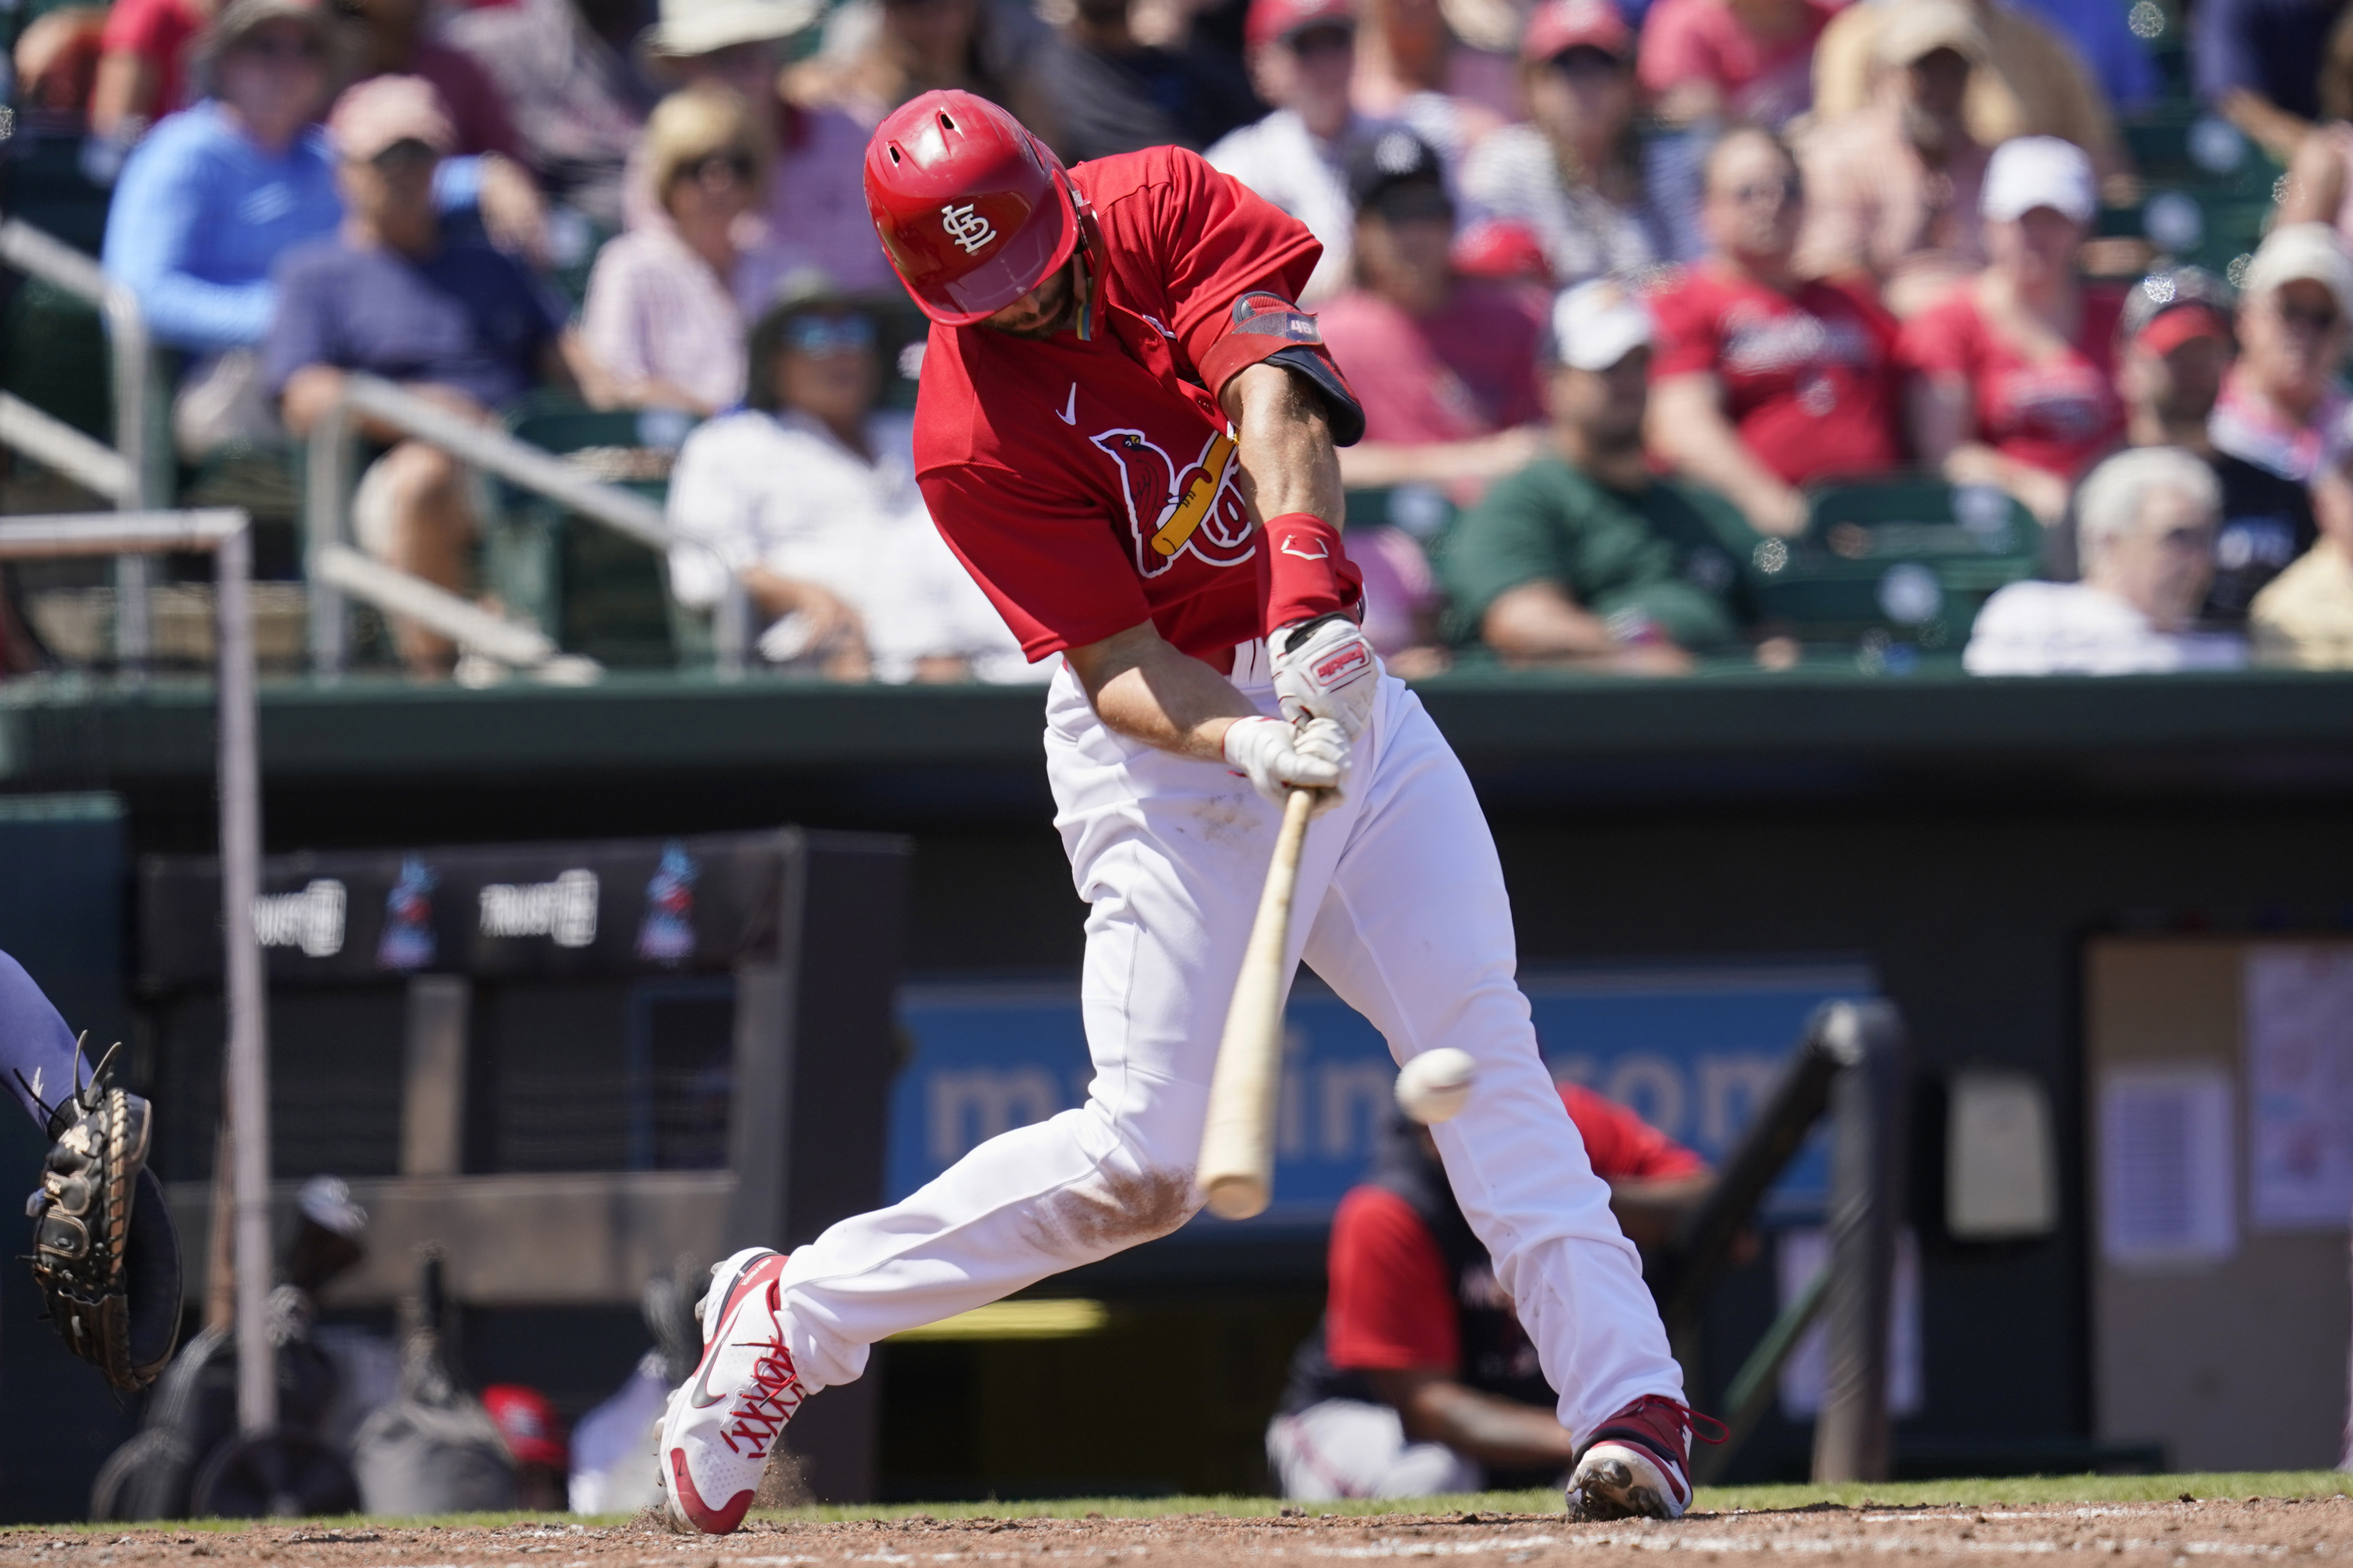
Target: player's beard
{"points": [[1057, 309]]}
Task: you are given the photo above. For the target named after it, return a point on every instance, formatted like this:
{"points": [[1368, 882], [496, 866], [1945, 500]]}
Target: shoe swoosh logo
{"points": [[699, 1393], [1069, 413]]}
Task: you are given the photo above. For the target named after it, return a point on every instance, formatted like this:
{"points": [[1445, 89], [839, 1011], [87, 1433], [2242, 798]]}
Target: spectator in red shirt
{"points": [[2014, 373], [1445, 366], [142, 66], [1763, 382], [1420, 1380], [1740, 59]]}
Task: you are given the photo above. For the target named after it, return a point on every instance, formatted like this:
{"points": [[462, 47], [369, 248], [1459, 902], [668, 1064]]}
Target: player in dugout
{"points": [[1420, 1378]]}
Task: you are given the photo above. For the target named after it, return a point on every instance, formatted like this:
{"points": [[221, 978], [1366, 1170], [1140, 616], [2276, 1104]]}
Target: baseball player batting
{"points": [[1126, 433]]}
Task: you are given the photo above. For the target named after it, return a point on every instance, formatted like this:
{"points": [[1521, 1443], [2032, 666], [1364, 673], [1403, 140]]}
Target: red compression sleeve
{"points": [[1306, 573]]}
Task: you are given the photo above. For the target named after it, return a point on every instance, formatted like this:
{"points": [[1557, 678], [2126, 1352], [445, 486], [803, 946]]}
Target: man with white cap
{"points": [[1892, 191], [2014, 373], [2280, 402], [1585, 556]]}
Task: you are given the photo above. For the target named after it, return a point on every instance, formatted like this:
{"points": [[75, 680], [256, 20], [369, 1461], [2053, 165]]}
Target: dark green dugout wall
{"points": [[62, 884]]}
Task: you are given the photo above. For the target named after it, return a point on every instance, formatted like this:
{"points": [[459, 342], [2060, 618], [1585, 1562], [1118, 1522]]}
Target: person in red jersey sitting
{"points": [[1763, 382], [1420, 1380]]}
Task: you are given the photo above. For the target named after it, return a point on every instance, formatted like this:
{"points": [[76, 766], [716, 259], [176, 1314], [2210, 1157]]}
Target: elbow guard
{"points": [[1267, 327]]}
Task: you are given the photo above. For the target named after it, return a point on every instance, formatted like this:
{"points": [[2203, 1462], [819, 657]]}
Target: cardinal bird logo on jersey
{"points": [[1174, 510]]}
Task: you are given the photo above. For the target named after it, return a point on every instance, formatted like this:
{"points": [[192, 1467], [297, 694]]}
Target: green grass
{"points": [[2228, 1485]]}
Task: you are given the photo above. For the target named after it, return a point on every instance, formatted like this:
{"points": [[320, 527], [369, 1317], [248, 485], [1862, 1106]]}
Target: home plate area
{"points": [[2172, 1533]]}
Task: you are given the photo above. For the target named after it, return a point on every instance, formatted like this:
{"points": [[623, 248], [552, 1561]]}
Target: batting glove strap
{"points": [[1278, 757], [1324, 669]]}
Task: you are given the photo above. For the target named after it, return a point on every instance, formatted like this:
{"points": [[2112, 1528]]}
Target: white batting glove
{"points": [[1325, 669], [1278, 757]]}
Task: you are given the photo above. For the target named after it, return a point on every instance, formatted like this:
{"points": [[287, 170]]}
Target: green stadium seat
{"points": [[598, 592], [1911, 558]]}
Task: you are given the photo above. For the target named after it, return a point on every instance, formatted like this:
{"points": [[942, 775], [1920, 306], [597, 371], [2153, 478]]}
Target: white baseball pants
{"points": [[1400, 908]]}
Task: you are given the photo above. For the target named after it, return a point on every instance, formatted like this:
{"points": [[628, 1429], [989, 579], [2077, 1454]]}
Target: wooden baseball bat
{"points": [[1236, 1174]]}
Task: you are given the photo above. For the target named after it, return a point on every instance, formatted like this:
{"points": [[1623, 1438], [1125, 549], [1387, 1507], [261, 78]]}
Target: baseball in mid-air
{"points": [[1434, 1085]]}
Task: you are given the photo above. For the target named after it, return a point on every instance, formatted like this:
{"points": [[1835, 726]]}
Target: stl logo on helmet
{"points": [[1174, 510], [968, 228]]}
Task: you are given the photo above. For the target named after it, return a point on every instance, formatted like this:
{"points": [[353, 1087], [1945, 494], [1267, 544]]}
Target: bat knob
{"points": [[1236, 1197]]}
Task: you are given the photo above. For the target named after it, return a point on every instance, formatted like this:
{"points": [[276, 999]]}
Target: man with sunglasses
{"points": [[1127, 432], [809, 491], [392, 296]]}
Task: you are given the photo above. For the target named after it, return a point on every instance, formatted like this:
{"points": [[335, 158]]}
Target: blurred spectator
{"points": [[814, 215], [2304, 616], [2146, 525], [1301, 57], [1763, 381], [2033, 83], [1893, 190], [1584, 556], [1111, 94], [2119, 60], [1441, 363], [915, 45], [393, 43], [1571, 172], [392, 296], [2257, 63], [575, 101], [1420, 1378], [1403, 606], [1749, 60], [56, 59], [1501, 251], [2014, 373], [809, 495], [143, 69], [1409, 67], [661, 318], [2320, 178], [209, 203], [2175, 346], [2280, 406], [535, 1437]]}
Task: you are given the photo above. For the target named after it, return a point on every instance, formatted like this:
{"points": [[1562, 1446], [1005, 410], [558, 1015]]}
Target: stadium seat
{"points": [[1910, 558], [598, 592]]}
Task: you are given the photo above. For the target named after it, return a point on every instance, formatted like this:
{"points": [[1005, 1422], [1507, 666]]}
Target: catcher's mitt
{"points": [[85, 1260]]}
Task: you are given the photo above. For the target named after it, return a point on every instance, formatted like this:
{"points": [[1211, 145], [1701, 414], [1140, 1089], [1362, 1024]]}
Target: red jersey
{"points": [[1810, 377], [1392, 1303], [2059, 414], [1089, 485], [1467, 371]]}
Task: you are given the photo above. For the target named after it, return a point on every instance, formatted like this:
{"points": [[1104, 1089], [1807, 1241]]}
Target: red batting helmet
{"points": [[973, 211]]}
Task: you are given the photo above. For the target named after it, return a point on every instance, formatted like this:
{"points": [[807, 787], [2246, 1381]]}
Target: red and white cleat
{"points": [[724, 1421], [1637, 1464]]}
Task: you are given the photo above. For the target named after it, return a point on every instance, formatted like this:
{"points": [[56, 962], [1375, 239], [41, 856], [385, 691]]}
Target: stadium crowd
{"points": [[1624, 287]]}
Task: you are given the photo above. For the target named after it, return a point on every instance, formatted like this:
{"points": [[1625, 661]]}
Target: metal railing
{"points": [[336, 569], [228, 534], [129, 473]]}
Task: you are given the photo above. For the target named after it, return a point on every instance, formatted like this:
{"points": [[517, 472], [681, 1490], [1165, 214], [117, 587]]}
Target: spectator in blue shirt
{"points": [[392, 296], [2257, 63], [213, 197]]}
